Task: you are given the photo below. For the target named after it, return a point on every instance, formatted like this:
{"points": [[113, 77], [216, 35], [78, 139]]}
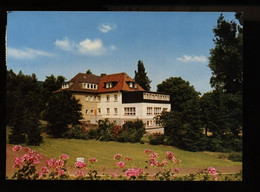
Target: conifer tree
{"points": [[141, 76]]}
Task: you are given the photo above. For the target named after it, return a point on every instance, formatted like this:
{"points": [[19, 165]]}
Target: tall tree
{"points": [[141, 76], [180, 92], [62, 110], [226, 58], [25, 109]]}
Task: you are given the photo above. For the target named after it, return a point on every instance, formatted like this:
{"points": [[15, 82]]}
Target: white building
{"points": [[116, 97]]}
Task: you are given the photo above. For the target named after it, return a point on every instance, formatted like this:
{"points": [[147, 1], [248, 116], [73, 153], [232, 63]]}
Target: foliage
{"points": [[62, 110], [180, 92], [76, 132], [226, 58], [132, 131], [55, 169], [23, 108], [237, 157], [50, 85], [156, 138], [104, 130], [141, 76]]}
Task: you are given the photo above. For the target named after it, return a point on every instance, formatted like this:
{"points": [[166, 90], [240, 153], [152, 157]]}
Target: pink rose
{"points": [[127, 158], [121, 164], [148, 151], [80, 164], [58, 163], [92, 160], [44, 171], [177, 170], [60, 172], [114, 175], [18, 162], [213, 172], [51, 162], [80, 173], [17, 148], [133, 172], [64, 157], [169, 155], [117, 156]]}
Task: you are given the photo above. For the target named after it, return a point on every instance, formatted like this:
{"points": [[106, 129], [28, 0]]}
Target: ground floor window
{"points": [[149, 111], [157, 110]]}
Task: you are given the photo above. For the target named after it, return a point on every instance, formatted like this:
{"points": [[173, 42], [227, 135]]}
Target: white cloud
{"points": [[88, 46], [106, 28], [26, 53], [65, 44], [91, 47], [194, 58]]}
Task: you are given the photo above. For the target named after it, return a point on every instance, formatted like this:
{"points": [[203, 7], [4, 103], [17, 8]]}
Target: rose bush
{"points": [[55, 169]]}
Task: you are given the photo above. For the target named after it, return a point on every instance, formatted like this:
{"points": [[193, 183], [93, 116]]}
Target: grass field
{"points": [[105, 151]]}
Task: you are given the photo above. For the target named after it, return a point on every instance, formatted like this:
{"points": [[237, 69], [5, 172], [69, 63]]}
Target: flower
{"points": [[169, 155], [18, 161], [64, 157], [148, 151], [117, 156], [153, 155], [17, 148], [153, 162], [133, 172], [51, 162], [44, 171], [80, 173], [58, 163], [60, 172], [80, 164], [114, 175], [177, 170], [213, 172], [164, 163], [128, 158], [92, 160], [121, 164]]}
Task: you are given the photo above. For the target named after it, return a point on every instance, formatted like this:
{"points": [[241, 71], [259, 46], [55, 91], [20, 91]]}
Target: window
{"points": [[115, 111], [108, 111], [86, 98], [86, 111], [99, 111], [91, 98], [149, 111], [108, 98], [87, 85], [165, 109], [109, 85], [92, 112], [149, 123], [157, 110], [131, 84], [129, 110], [115, 97], [99, 98]]}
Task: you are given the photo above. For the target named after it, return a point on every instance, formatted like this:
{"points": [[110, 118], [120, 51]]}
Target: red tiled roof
{"points": [[119, 79]]}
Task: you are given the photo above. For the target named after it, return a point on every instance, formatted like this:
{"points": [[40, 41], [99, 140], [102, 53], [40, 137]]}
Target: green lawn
{"points": [[105, 151]]}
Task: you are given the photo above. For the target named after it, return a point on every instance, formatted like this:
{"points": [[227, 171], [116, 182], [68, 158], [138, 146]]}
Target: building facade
{"points": [[116, 97]]}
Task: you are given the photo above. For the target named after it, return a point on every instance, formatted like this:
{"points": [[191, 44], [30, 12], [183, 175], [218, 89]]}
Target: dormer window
{"points": [[132, 84], [65, 85], [110, 84], [89, 86]]}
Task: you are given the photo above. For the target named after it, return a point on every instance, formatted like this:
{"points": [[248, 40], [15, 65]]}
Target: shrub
{"points": [[92, 133], [156, 138], [104, 132], [237, 157], [76, 132], [132, 131]]}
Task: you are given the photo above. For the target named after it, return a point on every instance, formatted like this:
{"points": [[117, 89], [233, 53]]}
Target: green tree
{"points": [[51, 84], [180, 92], [89, 72], [25, 109], [141, 76], [226, 58], [62, 111]]}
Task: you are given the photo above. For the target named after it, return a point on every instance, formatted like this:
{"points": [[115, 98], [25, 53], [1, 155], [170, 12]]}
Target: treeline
{"points": [[218, 112]]}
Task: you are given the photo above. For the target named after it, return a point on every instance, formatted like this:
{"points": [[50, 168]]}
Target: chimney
{"points": [[103, 74]]}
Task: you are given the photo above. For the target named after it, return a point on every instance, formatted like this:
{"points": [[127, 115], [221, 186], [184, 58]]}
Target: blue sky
{"points": [[170, 44]]}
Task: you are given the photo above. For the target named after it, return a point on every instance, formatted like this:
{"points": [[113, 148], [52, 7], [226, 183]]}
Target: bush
{"points": [[104, 131], [156, 138], [132, 131], [237, 157], [76, 132], [92, 133]]}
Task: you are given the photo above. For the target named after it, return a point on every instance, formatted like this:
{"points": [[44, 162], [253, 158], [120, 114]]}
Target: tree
{"points": [[89, 72], [62, 111], [226, 58], [141, 77], [51, 84], [180, 92], [24, 108]]}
